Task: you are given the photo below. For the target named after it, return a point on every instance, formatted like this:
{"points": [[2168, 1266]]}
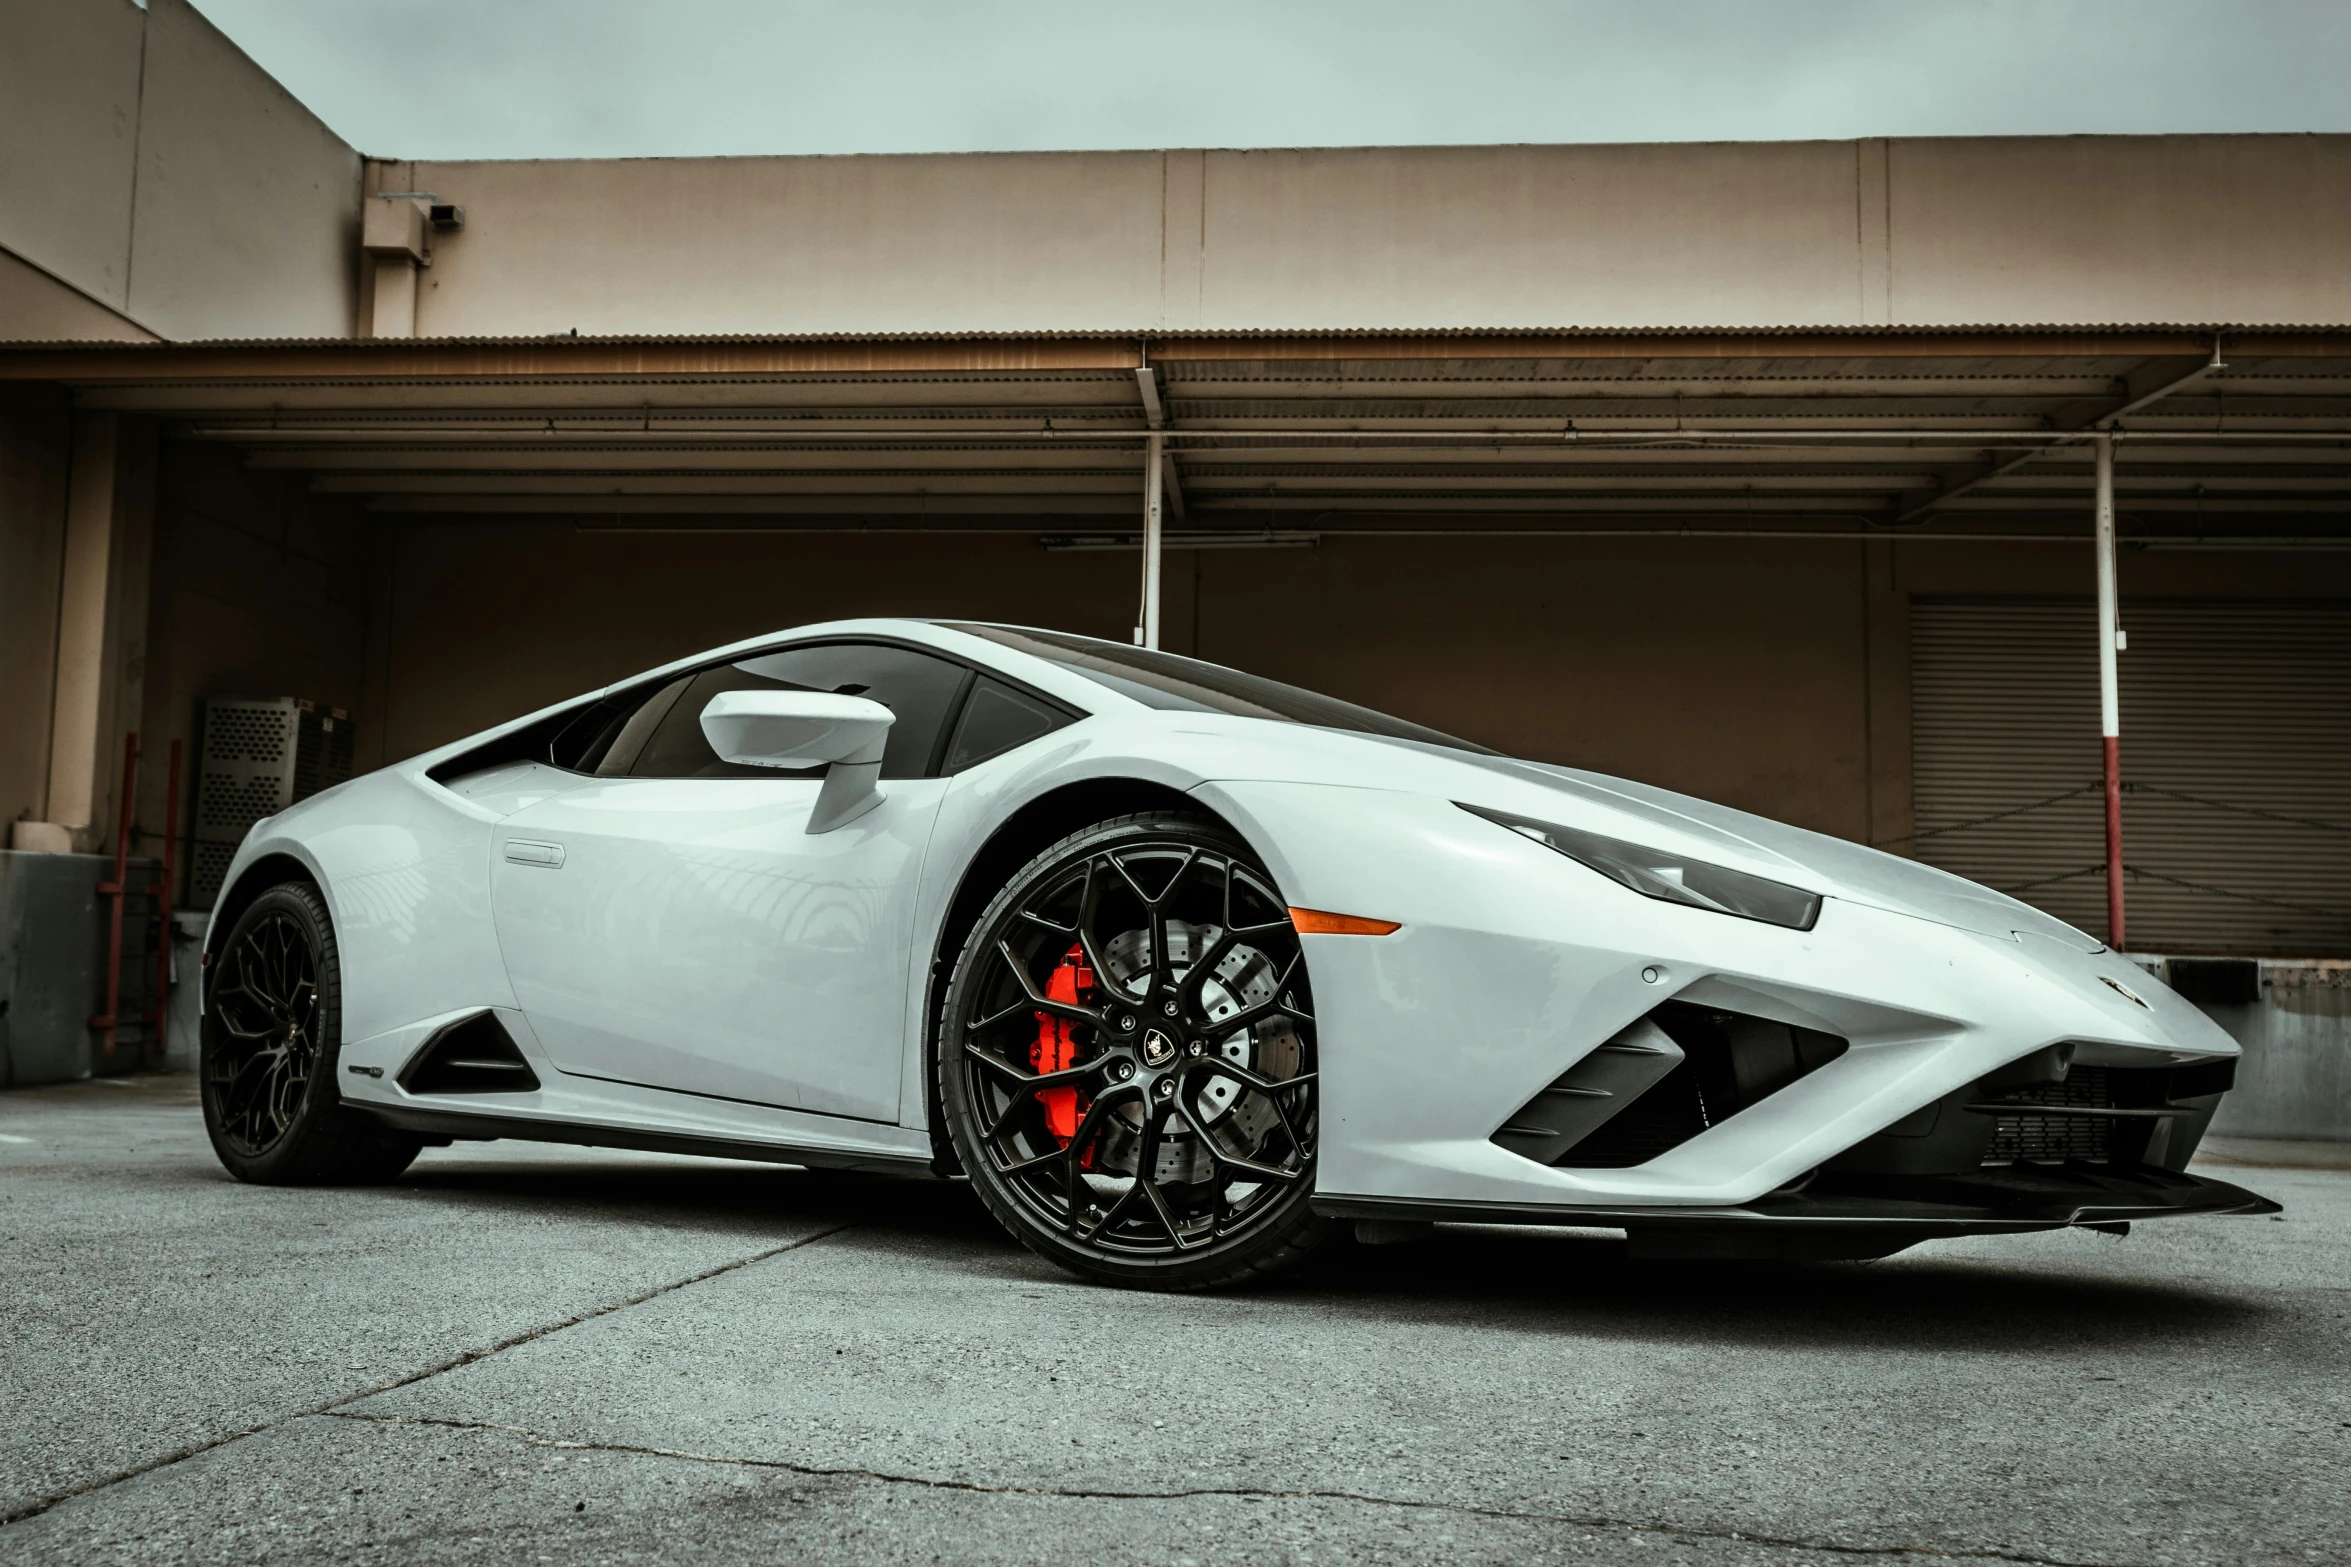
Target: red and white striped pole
{"points": [[2109, 705]]}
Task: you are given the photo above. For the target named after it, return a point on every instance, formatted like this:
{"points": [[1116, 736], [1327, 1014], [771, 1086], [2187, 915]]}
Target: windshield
{"points": [[1172, 683]]}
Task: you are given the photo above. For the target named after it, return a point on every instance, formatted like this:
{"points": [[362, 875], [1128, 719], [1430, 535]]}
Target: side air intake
{"points": [[1588, 1094], [474, 1055], [1661, 1082]]}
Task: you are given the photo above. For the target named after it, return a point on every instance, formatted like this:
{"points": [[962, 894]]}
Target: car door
{"points": [[673, 923]]}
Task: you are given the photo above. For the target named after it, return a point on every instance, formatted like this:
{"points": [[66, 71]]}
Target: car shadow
{"points": [[1573, 1282], [1584, 1283], [711, 1196]]}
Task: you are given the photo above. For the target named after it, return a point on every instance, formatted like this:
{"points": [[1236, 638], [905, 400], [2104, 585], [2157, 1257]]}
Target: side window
{"points": [[920, 689], [606, 736], [637, 728], [674, 747], [995, 719]]}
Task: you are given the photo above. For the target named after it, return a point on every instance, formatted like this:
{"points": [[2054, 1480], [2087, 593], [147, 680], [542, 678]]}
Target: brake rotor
{"points": [[1244, 977]]}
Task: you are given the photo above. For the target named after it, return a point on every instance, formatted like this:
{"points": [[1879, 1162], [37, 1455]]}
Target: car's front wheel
{"points": [[1127, 1058], [273, 1022]]}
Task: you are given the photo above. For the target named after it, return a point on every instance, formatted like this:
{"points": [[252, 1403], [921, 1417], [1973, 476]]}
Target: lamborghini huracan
{"points": [[1184, 970]]}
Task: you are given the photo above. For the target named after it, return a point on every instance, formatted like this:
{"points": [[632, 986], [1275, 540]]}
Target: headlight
{"points": [[1671, 878]]}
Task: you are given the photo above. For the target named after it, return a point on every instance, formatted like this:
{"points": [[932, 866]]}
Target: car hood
{"points": [[1816, 861]]}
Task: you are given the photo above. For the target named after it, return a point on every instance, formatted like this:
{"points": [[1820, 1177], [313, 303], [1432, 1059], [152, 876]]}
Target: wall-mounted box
{"points": [[395, 226]]}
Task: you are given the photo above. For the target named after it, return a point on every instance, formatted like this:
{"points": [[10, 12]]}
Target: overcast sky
{"points": [[618, 78]]}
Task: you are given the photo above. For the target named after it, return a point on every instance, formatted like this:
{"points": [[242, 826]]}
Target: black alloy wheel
{"points": [[270, 1043], [1127, 1059]]}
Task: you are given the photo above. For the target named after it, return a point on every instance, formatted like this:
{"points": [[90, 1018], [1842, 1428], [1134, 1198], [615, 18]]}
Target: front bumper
{"points": [[1515, 964]]}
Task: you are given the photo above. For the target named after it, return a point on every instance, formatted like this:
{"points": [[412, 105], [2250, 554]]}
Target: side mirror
{"points": [[797, 729]]}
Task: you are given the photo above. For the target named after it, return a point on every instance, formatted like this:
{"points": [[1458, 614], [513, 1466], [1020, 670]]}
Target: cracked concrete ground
{"points": [[542, 1354]]}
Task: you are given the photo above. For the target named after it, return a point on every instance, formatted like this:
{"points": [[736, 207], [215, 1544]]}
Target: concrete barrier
{"points": [[2294, 1019], [53, 967], [52, 964]]}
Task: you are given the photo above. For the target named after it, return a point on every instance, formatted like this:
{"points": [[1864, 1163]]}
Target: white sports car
{"points": [[1182, 968]]}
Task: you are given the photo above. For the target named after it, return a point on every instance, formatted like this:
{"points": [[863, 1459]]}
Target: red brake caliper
{"points": [[1056, 1047]]}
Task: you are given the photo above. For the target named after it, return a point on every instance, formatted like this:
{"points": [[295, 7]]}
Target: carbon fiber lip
{"points": [[1987, 1202]]}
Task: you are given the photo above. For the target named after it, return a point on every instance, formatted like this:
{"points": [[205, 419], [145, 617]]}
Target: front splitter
{"points": [[2003, 1201]]}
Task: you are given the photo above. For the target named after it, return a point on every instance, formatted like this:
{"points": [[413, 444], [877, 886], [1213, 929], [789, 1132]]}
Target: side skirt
{"points": [[485, 1128]]}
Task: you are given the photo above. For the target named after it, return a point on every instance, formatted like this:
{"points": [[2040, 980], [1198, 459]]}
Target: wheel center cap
{"points": [[1158, 1049]]}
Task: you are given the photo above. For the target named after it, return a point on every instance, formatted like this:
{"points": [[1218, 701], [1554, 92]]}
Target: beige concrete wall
{"points": [[248, 209], [69, 135], [149, 165], [1006, 242], [2121, 230], [1696, 235], [36, 308], [2054, 231]]}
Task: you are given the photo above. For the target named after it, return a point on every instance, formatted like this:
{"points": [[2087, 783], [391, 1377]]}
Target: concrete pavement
{"points": [[523, 1354]]}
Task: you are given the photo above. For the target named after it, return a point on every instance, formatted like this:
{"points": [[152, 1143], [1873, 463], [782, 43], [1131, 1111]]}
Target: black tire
{"points": [[1169, 1149], [273, 1026]]}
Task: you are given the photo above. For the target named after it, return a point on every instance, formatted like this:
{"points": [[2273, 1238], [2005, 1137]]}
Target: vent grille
{"points": [[472, 1056], [2050, 1139], [2045, 1110], [1669, 1077], [322, 758], [1586, 1099], [233, 804], [210, 869], [259, 755], [236, 730], [2055, 1139]]}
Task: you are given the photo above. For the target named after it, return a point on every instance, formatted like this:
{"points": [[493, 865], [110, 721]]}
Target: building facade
{"points": [[1759, 471]]}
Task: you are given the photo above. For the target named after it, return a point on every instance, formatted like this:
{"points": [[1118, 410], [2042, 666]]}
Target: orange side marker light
{"points": [[1314, 922]]}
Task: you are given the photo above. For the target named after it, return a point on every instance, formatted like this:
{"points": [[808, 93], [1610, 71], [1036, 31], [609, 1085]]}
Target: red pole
{"points": [[114, 889], [166, 886], [2109, 686], [2114, 933]]}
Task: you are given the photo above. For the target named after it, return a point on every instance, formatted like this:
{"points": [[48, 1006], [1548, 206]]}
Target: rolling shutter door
{"points": [[2236, 765]]}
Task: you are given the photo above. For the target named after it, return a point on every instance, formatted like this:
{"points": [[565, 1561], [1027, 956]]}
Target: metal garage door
{"points": [[2236, 764]]}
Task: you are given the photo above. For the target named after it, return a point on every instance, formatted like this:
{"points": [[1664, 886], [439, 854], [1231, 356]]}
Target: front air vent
{"points": [[2031, 1124], [2044, 1110], [1661, 1082], [2096, 1114], [474, 1055]]}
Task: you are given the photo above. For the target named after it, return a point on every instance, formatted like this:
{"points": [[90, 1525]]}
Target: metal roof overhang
{"points": [[1871, 433]]}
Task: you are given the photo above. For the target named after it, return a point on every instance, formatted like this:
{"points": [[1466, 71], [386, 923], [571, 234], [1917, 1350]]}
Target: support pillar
{"points": [[2109, 704], [394, 313], [1147, 633], [93, 686], [78, 698]]}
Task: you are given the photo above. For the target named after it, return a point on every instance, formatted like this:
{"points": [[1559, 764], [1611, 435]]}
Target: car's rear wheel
{"points": [[273, 1021], [1127, 1059]]}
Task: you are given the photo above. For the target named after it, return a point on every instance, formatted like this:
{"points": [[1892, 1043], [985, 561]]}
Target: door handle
{"points": [[525, 851]]}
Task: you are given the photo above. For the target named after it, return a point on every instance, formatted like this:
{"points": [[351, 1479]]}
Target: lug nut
{"points": [[1166, 1086], [1198, 1048], [1126, 1020], [1168, 1008]]}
